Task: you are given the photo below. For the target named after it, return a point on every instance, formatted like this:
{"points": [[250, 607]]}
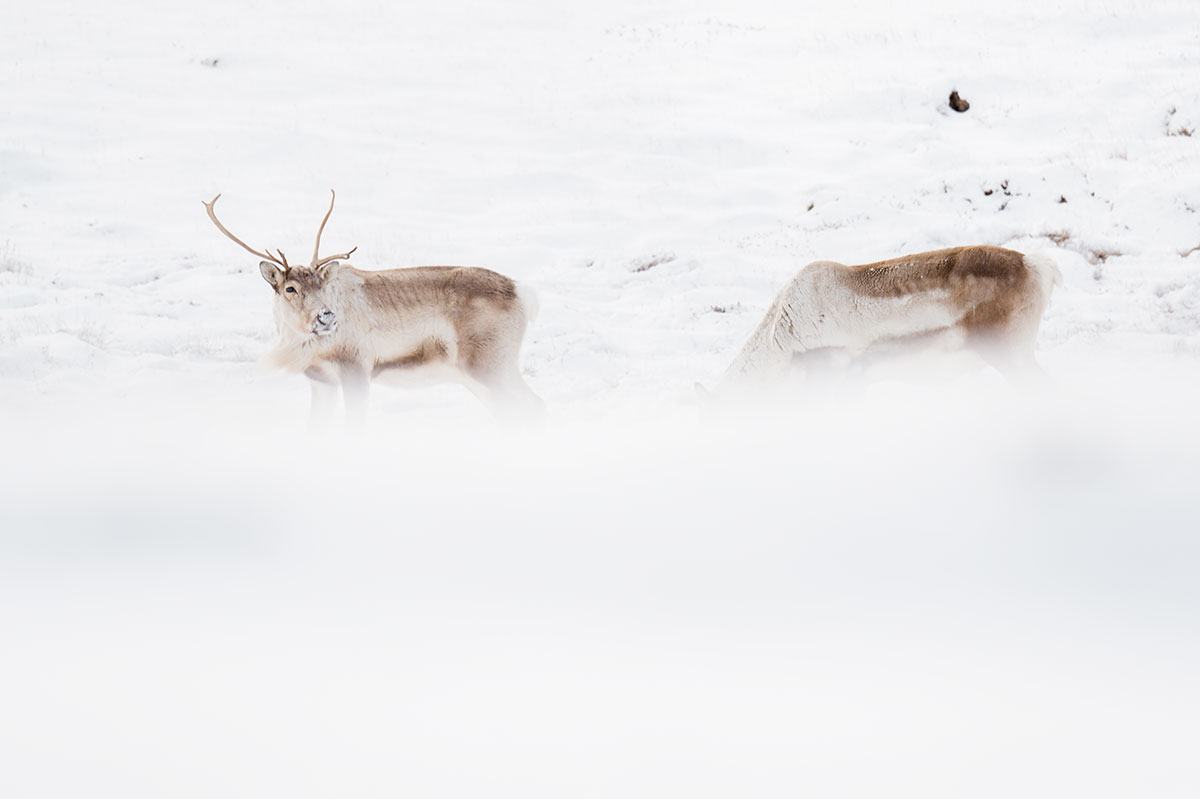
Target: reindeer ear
{"points": [[271, 273], [326, 267]]}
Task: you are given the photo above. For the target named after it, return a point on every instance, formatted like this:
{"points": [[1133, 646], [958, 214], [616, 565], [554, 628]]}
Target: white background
{"points": [[953, 590]]}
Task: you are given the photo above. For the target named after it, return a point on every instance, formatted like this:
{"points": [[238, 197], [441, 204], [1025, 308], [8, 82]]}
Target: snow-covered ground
{"points": [[950, 590]]}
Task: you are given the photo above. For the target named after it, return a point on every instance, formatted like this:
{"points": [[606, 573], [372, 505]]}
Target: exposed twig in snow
{"points": [[9, 262], [1179, 130], [1100, 256], [653, 261]]}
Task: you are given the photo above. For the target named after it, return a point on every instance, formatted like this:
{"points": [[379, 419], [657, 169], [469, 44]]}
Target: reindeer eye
{"points": [[290, 289]]}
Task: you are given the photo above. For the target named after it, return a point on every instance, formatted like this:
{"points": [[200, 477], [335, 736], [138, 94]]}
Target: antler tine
{"points": [[329, 258], [284, 257], [213, 216], [321, 229], [317, 261]]}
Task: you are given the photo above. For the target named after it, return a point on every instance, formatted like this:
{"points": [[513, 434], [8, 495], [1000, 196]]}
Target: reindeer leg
{"points": [[324, 396], [529, 404], [493, 375], [507, 396], [355, 389]]}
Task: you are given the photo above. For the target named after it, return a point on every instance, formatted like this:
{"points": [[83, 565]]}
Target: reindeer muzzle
{"points": [[326, 322]]}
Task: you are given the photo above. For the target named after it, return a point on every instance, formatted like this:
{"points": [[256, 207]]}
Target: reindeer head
{"points": [[305, 296]]}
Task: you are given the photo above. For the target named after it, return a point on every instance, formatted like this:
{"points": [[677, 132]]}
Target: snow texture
{"points": [[929, 590]]}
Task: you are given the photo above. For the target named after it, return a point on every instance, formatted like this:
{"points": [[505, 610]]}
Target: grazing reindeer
{"points": [[341, 325], [986, 299]]}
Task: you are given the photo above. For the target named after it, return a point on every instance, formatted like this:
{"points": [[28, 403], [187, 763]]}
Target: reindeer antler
{"points": [[317, 248], [281, 260]]}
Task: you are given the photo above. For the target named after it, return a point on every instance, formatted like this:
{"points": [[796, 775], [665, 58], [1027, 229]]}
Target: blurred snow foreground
{"points": [[946, 590], [931, 593]]}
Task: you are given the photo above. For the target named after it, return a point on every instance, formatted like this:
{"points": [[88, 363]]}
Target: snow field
{"points": [[952, 590]]}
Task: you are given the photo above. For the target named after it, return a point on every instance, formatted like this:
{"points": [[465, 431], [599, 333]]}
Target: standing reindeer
{"points": [[341, 325], [985, 299]]}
